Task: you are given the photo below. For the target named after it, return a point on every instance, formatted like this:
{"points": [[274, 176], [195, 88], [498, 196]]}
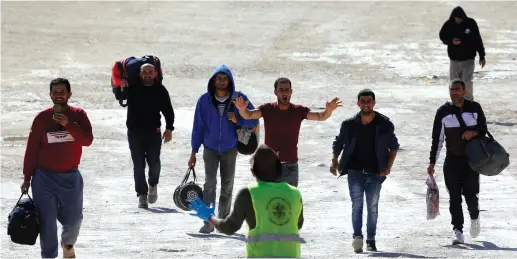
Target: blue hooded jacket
{"points": [[212, 130]]}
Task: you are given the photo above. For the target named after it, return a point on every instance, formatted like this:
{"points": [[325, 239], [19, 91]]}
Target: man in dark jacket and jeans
{"points": [[459, 178], [462, 37], [369, 146], [146, 99]]}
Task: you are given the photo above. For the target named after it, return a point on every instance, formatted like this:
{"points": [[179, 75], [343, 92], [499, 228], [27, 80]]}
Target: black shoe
{"points": [[370, 246]]}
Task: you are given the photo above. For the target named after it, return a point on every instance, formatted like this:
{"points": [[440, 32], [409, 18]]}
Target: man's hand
{"points": [[332, 105], [334, 167], [61, 119], [232, 117], [430, 169], [386, 172], [192, 160], [469, 134], [240, 103], [456, 41], [167, 136], [25, 187], [482, 63]]}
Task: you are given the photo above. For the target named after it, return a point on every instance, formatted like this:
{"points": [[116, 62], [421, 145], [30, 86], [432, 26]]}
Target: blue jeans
{"points": [[58, 196], [359, 185], [289, 173]]}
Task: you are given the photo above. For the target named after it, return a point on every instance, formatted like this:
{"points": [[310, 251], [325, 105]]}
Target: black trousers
{"points": [[461, 180], [145, 147]]}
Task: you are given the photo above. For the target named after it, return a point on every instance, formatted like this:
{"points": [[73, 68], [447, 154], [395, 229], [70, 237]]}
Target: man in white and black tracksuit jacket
{"points": [[459, 178]]}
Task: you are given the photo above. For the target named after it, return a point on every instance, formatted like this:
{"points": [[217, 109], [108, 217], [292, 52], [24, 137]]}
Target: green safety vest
{"points": [[277, 209]]}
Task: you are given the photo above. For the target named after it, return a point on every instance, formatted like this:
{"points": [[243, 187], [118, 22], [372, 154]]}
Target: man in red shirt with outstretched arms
{"points": [[51, 165], [282, 122]]}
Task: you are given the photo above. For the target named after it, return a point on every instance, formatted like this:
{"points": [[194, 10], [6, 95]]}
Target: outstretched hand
{"points": [[240, 103], [332, 105], [203, 212]]}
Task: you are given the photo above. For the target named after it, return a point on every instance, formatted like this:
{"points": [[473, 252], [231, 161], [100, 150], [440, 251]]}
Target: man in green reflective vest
{"points": [[273, 210]]}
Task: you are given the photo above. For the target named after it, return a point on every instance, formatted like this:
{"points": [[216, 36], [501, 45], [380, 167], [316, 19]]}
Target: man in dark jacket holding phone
{"points": [[461, 35]]}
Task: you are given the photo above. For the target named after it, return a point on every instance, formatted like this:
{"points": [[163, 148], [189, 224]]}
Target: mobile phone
{"points": [[58, 108]]}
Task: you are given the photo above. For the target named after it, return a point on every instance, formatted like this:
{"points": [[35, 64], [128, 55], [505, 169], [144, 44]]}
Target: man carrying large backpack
{"points": [[146, 98]]}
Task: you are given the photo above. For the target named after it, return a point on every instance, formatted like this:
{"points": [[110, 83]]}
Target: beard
{"points": [[283, 100], [147, 81], [366, 113]]}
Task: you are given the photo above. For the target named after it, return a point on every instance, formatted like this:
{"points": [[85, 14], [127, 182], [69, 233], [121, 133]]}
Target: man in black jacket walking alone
{"points": [[459, 178], [146, 99], [461, 35]]}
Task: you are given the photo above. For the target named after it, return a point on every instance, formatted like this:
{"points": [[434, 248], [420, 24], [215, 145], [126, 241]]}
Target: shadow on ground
{"points": [[485, 245], [396, 255], [161, 210], [234, 236], [507, 124]]}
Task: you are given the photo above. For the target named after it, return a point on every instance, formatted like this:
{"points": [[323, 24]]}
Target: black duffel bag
{"points": [[484, 154], [187, 191], [23, 222]]}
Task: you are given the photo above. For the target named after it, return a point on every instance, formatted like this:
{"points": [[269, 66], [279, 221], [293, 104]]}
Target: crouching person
{"points": [[273, 210], [52, 157]]}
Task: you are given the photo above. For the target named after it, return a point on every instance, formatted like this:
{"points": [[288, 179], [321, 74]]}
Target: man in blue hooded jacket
{"points": [[215, 121]]}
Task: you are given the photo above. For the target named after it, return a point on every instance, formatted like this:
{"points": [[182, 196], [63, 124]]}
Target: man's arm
{"points": [[444, 34], [233, 222], [241, 120], [393, 145], [82, 131], [339, 140], [198, 128], [167, 110], [30, 160], [481, 126], [480, 47], [437, 138], [319, 116], [254, 114]]}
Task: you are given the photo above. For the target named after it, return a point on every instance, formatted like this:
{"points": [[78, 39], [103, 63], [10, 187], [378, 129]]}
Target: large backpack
{"points": [[23, 222], [484, 154], [129, 69]]}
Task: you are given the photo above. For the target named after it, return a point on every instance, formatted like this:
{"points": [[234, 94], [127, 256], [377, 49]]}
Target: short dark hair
{"points": [[282, 80], [59, 81], [457, 81], [265, 164], [366, 92]]}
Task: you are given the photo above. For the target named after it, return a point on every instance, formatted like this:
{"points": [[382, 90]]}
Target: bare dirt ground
{"points": [[326, 48]]}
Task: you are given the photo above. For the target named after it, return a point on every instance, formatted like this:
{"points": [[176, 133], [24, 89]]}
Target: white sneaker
{"points": [[475, 228], [458, 238], [357, 244], [153, 194]]}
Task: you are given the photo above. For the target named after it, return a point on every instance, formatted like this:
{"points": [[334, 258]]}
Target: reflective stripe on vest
{"points": [[273, 238]]}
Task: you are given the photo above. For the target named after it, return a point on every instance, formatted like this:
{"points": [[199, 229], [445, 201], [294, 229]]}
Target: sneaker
{"points": [[68, 250], [370, 246], [357, 244], [458, 238], [142, 201], [475, 228], [153, 194], [207, 228]]}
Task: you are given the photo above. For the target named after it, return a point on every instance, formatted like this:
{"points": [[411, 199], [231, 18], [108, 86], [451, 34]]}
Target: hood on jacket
{"points": [[458, 12], [221, 69]]}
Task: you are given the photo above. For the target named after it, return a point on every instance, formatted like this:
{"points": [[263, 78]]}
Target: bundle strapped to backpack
{"points": [[484, 154], [23, 222], [247, 140], [187, 191], [128, 69]]}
